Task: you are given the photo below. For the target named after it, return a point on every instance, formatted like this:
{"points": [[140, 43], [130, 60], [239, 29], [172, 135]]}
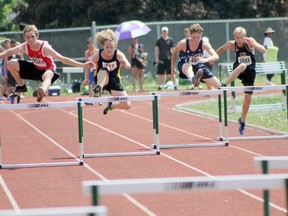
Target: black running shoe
{"points": [[223, 85], [22, 88], [97, 90], [241, 126], [107, 108]]}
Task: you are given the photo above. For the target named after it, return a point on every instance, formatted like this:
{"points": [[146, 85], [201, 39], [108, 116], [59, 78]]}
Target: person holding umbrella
{"points": [[108, 61]]}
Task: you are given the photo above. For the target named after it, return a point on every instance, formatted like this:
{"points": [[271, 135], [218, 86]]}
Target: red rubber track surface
{"points": [[50, 135]]}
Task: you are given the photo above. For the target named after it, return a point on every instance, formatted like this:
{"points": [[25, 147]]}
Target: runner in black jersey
{"points": [[108, 63], [244, 65]]}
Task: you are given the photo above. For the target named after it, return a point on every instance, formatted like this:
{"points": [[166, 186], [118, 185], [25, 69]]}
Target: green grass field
{"points": [[275, 120]]}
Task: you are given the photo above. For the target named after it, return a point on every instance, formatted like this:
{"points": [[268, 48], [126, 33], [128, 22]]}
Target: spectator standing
{"points": [[268, 43], [138, 63], [11, 83], [91, 50], [4, 70], [163, 53]]}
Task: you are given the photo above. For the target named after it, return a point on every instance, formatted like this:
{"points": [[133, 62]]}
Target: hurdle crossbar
{"points": [[59, 211], [77, 161], [153, 98], [269, 162], [272, 162], [260, 89], [157, 185], [279, 106], [223, 141]]}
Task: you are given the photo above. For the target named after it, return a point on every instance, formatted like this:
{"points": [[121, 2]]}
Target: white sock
{"points": [[190, 77]]}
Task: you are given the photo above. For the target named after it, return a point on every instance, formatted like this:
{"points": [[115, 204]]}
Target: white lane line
{"points": [[9, 195], [131, 199], [181, 162], [148, 212]]}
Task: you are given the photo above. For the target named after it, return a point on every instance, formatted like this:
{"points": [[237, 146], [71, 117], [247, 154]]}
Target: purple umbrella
{"points": [[131, 29]]}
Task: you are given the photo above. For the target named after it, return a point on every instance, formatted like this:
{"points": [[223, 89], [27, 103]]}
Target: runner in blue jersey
{"points": [[108, 63], [244, 65], [191, 63]]}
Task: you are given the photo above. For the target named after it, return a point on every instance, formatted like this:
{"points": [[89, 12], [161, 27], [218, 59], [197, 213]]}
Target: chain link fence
{"points": [[71, 42]]}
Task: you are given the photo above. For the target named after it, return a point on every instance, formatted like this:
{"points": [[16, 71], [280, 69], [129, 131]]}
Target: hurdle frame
{"points": [[158, 185], [219, 92], [153, 98], [58, 211], [79, 161], [264, 107], [284, 89], [266, 162]]}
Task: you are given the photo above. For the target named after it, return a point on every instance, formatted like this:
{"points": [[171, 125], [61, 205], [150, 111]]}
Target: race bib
{"points": [[245, 59], [39, 62], [112, 65], [194, 59]]}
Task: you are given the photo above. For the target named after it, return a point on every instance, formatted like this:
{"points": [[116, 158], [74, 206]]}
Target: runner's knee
{"points": [[47, 75], [242, 66], [12, 64]]}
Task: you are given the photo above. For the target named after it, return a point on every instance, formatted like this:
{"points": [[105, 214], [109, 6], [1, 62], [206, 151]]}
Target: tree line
{"points": [[49, 14]]}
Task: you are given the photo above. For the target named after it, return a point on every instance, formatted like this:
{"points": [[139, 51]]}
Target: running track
{"points": [[44, 135]]}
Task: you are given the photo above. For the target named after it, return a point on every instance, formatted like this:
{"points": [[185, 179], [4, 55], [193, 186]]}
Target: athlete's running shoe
{"points": [[196, 79], [22, 88], [107, 108], [97, 90], [241, 126], [40, 94]]}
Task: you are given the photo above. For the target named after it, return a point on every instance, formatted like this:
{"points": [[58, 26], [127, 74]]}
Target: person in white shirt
{"points": [[268, 42]]}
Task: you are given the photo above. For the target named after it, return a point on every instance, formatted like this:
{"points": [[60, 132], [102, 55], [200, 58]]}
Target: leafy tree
{"points": [[76, 13], [7, 13]]}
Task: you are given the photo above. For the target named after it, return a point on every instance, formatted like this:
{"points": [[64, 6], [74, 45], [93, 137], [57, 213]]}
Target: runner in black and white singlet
{"points": [[245, 55], [244, 66], [108, 62], [114, 71]]}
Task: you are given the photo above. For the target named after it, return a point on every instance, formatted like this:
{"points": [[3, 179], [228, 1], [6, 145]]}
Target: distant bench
{"points": [[69, 71], [261, 68]]}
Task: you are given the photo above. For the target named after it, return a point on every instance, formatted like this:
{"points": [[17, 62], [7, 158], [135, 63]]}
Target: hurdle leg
{"points": [[95, 196], [220, 118], [80, 129], [156, 124], [225, 118], [265, 170], [287, 100], [18, 99]]}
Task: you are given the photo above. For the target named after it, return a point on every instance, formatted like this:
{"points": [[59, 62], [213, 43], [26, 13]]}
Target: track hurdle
{"points": [[262, 107], [40, 106], [269, 162], [68, 211], [158, 185], [260, 89], [153, 98], [223, 140]]}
